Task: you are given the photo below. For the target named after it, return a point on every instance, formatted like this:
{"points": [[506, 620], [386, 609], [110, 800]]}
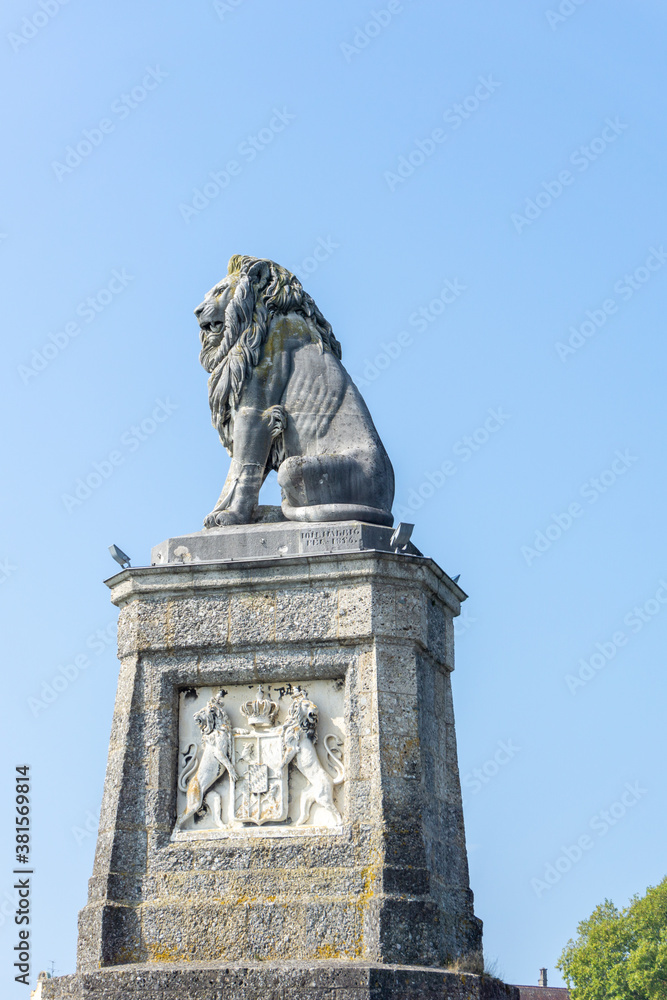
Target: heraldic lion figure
{"points": [[281, 399], [299, 739], [201, 773]]}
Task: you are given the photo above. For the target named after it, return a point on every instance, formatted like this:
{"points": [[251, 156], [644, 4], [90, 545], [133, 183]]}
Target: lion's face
{"points": [[307, 716], [235, 318], [205, 719], [211, 717], [211, 318]]}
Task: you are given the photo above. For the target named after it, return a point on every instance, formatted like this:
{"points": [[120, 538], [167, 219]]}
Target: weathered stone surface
{"points": [[389, 880], [277, 981], [354, 646]]}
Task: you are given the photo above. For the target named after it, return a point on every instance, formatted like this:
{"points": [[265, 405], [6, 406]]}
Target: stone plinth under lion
{"points": [[282, 813]]}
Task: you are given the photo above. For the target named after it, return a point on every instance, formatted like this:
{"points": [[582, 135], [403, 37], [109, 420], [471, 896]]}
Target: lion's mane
{"points": [[232, 347], [213, 717], [297, 721]]}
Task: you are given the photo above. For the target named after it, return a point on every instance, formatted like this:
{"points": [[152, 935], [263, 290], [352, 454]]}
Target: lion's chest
{"points": [[307, 752]]}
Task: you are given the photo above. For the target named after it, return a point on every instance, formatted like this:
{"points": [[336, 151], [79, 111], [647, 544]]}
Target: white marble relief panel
{"points": [[260, 760]]}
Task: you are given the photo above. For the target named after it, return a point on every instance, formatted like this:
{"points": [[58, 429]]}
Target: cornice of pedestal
{"points": [[332, 568]]}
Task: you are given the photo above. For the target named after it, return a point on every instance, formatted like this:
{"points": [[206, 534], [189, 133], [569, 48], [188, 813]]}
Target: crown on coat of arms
{"points": [[260, 711]]}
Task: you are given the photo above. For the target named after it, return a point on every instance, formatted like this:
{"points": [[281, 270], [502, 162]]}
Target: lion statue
{"points": [[281, 399]]}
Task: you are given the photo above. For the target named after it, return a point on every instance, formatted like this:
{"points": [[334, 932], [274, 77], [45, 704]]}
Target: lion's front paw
{"points": [[219, 518]]}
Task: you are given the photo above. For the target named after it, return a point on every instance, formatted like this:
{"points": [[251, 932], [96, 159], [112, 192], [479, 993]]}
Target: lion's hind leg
{"points": [[329, 488], [307, 803], [325, 799], [214, 802]]}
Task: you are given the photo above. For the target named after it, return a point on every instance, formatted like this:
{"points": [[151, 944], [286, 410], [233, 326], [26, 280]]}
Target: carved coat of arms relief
{"points": [[260, 791], [267, 771]]}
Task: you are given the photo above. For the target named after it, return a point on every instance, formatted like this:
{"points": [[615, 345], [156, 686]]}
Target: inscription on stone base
{"points": [[330, 539]]}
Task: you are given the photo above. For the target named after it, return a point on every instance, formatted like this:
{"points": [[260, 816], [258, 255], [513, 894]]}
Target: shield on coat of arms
{"points": [[260, 791]]}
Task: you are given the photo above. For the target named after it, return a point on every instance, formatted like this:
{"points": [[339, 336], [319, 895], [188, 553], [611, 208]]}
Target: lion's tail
{"points": [[333, 749], [189, 768], [338, 512]]}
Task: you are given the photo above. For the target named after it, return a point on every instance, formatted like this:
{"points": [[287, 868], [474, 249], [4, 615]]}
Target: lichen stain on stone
{"points": [[242, 900], [331, 952], [164, 953], [369, 877], [125, 956]]}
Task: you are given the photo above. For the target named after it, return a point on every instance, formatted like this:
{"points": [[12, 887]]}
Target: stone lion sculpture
{"points": [[281, 399]]}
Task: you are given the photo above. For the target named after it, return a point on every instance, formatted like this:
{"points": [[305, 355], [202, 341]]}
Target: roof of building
{"points": [[543, 993]]}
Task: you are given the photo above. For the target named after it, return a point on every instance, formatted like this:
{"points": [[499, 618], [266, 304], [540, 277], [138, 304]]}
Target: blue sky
{"points": [[473, 193]]}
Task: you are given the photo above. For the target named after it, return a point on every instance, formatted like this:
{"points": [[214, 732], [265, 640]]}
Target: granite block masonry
{"points": [[282, 811]]}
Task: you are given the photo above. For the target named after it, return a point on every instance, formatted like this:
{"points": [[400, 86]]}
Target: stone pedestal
{"points": [[291, 875]]}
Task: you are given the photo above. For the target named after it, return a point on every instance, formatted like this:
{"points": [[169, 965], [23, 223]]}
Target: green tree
{"points": [[620, 954]]}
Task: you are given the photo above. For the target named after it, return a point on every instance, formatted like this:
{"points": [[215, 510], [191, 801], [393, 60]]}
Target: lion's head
{"points": [[303, 715], [213, 716], [234, 321]]}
